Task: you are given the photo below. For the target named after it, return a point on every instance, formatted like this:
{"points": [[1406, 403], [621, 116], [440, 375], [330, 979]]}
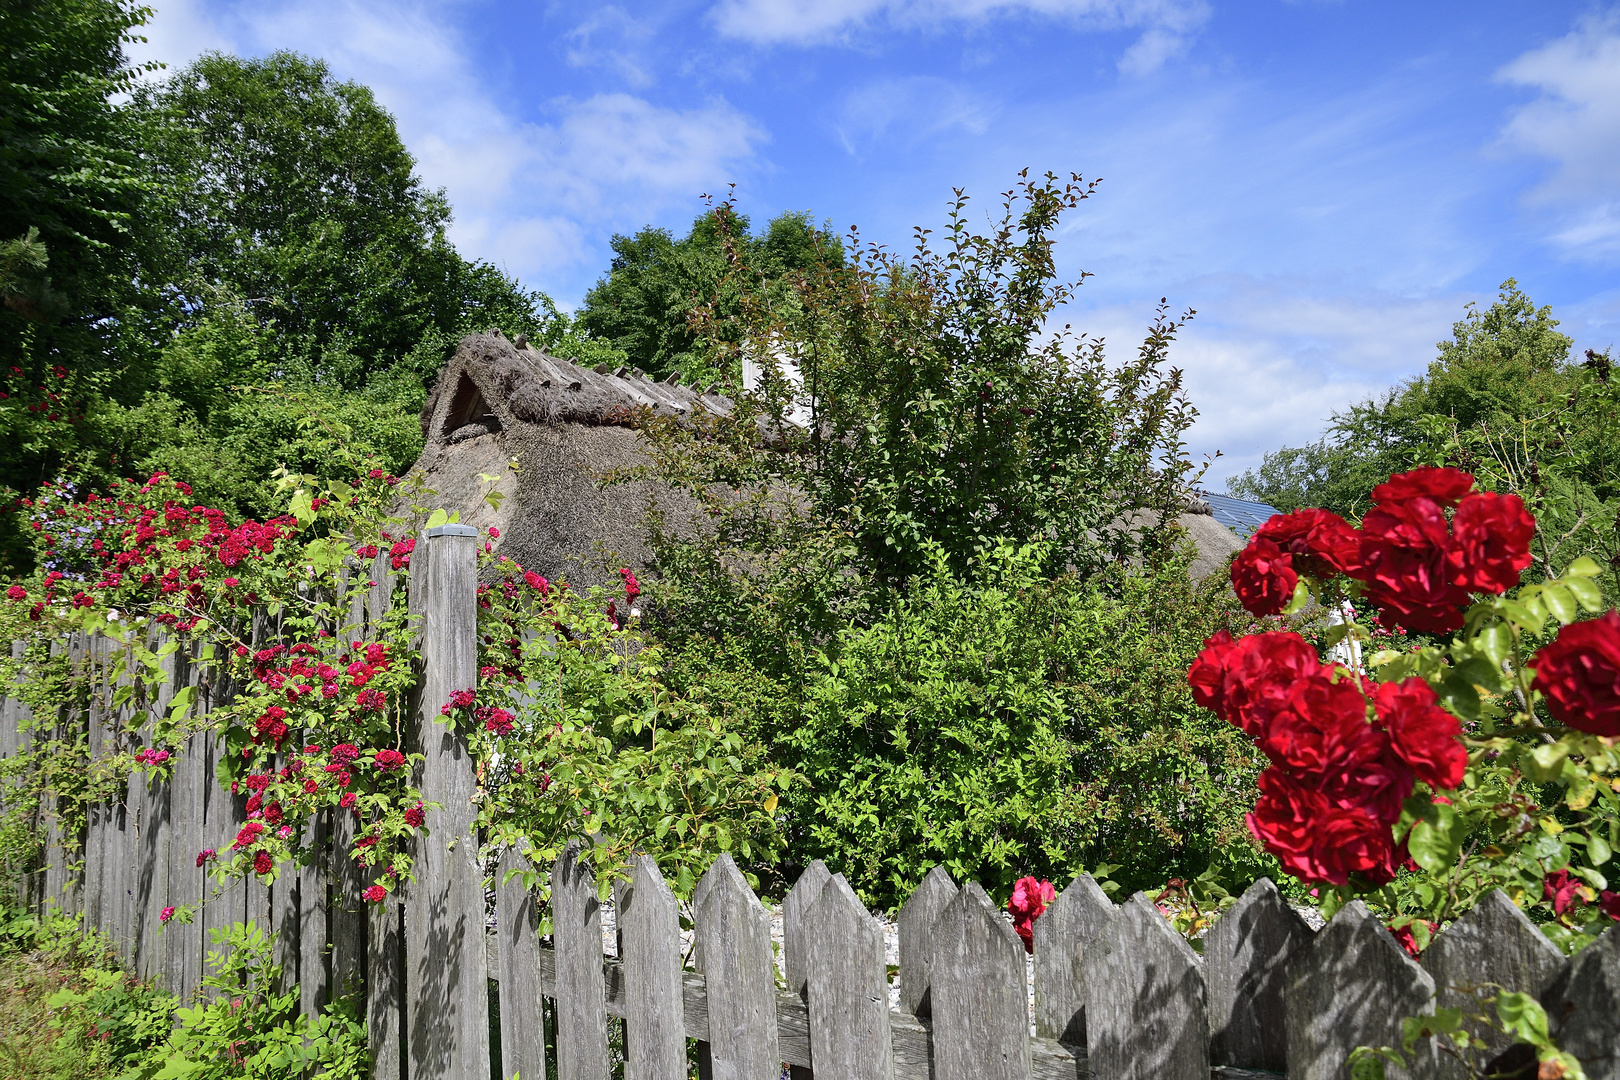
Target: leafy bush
{"points": [[1018, 726]]}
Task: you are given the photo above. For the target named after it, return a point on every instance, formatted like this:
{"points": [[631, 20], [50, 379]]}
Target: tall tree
{"points": [[645, 304], [293, 190]]}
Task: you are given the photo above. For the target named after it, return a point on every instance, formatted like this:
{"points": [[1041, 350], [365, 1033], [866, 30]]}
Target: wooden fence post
{"points": [[1146, 1012], [1582, 1007], [917, 918], [445, 979], [734, 954], [795, 907], [187, 840], [1065, 939], [1493, 943], [1351, 987], [848, 986], [523, 1021], [576, 932], [1246, 958], [979, 994], [650, 947]]}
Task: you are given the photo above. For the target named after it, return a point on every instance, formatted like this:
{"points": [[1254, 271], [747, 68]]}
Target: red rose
{"points": [[1424, 735], [1323, 730], [1375, 780], [1490, 542], [1609, 902], [1247, 680], [263, 863], [413, 816], [1579, 672], [1444, 486], [389, 760], [347, 799], [1316, 840], [1404, 935], [1029, 899], [376, 894], [253, 804], [1320, 542], [272, 813], [1264, 578], [1404, 556], [1562, 888]]}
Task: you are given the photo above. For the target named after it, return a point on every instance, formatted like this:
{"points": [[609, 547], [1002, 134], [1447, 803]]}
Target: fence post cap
{"points": [[451, 530]]}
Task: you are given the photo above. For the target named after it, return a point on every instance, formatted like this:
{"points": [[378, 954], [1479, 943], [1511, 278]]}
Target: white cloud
{"points": [[1167, 24], [1576, 123], [1268, 363]]}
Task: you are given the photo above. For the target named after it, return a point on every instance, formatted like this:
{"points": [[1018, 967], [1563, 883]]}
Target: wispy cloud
{"points": [[1575, 123], [1268, 363], [1167, 25], [907, 110]]}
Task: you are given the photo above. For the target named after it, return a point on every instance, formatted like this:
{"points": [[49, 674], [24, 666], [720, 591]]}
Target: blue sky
{"points": [[1328, 184]]}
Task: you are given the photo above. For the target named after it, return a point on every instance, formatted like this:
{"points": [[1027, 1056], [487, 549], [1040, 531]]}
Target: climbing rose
{"points": [[1316, 840], [263, 863], [1445, 487], [1245, 681], [166, 914], [1579, 672], [376, 894], [1490, 542], [1319, 543], [1426, 737], [1609, 902], [1405, 551], [206, 855], [1263, 577], [371, 701], [413, 816], [17, 592], [1323, 728], [345, 752], [388, 760], [1563, 889], [1029, 898], [1408, 940], [347, 799]]}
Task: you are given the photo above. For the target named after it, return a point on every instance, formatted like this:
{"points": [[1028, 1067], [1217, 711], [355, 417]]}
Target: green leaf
{"points": [[1587, 592], [1436, 840], [1301, 597], [1583, 567], [1496, 642], [437, 518], [1545, 763], [1597, 849], [1523, 1017], [1559, 602]]}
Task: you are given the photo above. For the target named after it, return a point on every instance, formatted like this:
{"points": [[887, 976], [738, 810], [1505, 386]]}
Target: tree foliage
{"points": [[1503, 399], [644, 304]]}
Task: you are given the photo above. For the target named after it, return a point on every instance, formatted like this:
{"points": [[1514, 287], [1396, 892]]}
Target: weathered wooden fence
{"points": [[1117, 994]]}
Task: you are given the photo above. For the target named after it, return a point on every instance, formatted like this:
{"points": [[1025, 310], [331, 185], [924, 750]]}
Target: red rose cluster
{"points": [[1337, 779], [1417, 565], [1030, 896], [1579, 674]]}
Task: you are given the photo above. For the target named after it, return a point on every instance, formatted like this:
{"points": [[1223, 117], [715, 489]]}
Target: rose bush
{"points": [[1486, 755]]}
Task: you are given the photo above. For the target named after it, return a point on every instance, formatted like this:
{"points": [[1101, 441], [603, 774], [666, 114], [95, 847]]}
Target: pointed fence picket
{"points": [[1117, 994]]}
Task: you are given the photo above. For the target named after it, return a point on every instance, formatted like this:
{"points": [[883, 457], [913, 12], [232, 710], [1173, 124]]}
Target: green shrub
{"points": [[1020, 726]]}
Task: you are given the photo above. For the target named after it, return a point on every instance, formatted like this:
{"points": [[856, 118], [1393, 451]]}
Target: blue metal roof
{"points": [[1239, 515]]}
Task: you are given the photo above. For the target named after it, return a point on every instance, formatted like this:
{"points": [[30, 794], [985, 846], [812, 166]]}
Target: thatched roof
{"points": [[567, 426]]}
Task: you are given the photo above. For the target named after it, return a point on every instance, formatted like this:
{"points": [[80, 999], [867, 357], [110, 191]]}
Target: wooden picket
{"points": [[1117, 994]]}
